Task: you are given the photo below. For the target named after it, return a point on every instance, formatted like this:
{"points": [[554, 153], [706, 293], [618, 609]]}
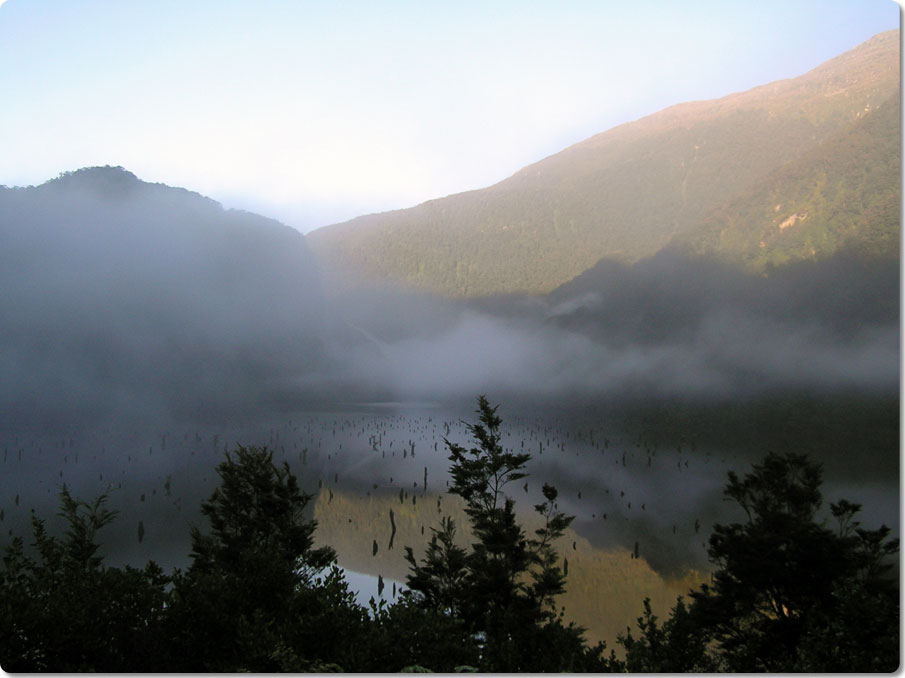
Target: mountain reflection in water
{"points": [[651, 482]]}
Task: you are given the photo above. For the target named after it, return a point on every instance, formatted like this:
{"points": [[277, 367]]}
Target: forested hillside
{"points": [[844, 194], [626, 193], [124, 297]]}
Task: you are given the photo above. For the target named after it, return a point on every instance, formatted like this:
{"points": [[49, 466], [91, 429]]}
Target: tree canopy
{"points": [[788, 593], [503, 588]]}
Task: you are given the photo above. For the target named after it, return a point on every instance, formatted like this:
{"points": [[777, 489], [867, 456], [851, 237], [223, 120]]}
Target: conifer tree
{"points": [[503, 588], [238, 605], [64, 611], [789, 594]]}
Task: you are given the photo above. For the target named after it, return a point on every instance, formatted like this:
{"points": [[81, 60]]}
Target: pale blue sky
{"points": [[316, 112]]}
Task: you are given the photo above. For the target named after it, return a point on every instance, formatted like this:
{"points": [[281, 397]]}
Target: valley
{"points": [[654, 309]]}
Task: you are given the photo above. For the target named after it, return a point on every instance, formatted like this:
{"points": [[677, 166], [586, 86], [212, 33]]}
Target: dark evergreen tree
{"points": [[242, 602], [676, 646], [411, 635], [441, 580], [503, 589], [857, 630], [788, 593], [64, 611]]}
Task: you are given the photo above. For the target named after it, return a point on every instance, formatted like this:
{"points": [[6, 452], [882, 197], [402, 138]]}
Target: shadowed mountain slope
{"points": [[125, 296]]}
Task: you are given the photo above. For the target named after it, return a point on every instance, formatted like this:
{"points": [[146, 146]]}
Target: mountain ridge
{"points": [[623, 193]]}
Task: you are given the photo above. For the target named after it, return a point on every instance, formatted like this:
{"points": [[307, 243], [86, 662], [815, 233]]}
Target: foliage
{"points": [[788, 594], [410, 633], [257, 521], [502, 590], [441, 579], [675, 647], [252, 576], [857, 631], [843, 195], [63, 611]]}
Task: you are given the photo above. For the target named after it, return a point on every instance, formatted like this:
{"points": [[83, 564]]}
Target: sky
{"points": [[316, 112]]}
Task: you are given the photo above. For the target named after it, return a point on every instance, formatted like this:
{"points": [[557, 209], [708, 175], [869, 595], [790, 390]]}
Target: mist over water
{"points": [[146, 331], [667, 327]]}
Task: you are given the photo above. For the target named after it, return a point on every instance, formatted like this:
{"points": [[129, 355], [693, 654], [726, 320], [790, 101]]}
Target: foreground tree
{"points": [[64, 611], [502, 591], [858, 629], [788, 593], [258, 593], [676, 646]]}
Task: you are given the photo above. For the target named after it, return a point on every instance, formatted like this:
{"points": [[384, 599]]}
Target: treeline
{"points": [[788, 592]]}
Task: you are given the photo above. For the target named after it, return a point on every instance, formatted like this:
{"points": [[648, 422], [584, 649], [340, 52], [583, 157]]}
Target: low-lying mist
{"points": [[666, 328], [128, 299], [142, 322], [690, 367]]}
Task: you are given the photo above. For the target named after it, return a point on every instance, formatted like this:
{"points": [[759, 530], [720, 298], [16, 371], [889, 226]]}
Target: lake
{"points": [[643, 482]]}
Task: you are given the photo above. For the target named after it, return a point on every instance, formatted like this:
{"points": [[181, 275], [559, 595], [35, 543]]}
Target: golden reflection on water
{"points": [[605, 589]]}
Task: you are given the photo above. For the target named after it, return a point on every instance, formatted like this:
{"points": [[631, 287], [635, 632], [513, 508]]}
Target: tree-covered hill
{"points": [[624, 193], [126, 296], [844, 194]]}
